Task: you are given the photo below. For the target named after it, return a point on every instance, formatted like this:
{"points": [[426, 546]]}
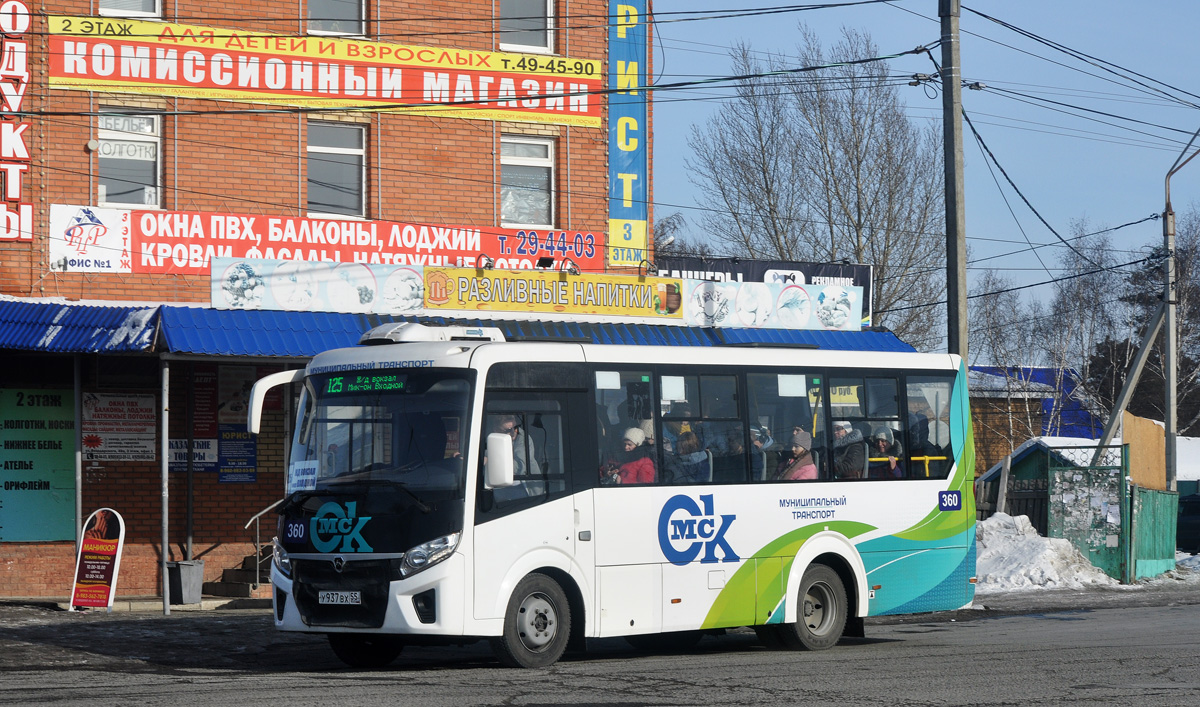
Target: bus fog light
{"points": [[428, 554]]}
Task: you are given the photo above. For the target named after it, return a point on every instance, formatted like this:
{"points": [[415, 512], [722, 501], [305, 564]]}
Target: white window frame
{"points": [[548, 48], [113, 12], [362, 21], [108, 133], [548, 161], [362, 177]]}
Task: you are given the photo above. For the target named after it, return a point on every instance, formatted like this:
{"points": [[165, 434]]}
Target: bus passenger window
{"points": [[781, 406], [931, 453], [727, 444], [538, 433], [626, 428]]}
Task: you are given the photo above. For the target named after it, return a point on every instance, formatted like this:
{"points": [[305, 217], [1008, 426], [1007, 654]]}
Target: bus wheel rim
{"points": [[537, 621], [819, 608]]}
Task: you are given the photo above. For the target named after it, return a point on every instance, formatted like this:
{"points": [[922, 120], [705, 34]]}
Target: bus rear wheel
{"points": [[537, 624], [821, 611], [365, 650]]}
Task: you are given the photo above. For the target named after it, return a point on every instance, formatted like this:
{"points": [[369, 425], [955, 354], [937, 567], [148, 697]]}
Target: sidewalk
{"points": [[147, 603]]}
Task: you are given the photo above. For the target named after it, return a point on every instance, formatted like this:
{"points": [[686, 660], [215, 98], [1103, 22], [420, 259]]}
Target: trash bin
{"points": [[185, 579]]}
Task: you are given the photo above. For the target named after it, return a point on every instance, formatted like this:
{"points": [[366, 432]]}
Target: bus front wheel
{"points": [[537, 624], [365, 650], [821, 611]]}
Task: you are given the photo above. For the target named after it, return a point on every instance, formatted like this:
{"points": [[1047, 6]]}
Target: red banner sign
{"points": [[168, 59], [94, 239]]}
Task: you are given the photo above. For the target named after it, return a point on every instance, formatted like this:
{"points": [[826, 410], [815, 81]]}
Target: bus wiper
{"points": [[416, 499], [384, 482]]}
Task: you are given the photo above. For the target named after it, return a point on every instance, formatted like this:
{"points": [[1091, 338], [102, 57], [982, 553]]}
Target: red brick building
{"points": [[141, 139]]}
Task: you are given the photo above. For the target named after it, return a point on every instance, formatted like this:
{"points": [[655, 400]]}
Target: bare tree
{"points": [[825, 166], [1111, 357]]}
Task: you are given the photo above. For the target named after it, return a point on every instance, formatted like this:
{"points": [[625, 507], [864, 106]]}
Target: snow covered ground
{"points": [[1013, 557]]}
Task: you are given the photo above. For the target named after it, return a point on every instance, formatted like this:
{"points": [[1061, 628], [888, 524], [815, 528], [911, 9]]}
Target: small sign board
{"points": [[99, 560]]}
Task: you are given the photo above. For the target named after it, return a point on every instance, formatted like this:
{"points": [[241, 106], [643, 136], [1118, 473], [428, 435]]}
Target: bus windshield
{"points": [[387, 427]]}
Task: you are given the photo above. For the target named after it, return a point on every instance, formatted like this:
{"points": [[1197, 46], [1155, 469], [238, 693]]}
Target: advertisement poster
{"points": [[237, 455], [319, 287], [94, 239], [237, 462], [192, 61], [542, 291], [204, 454], [777, 272], [99, 560], [119, 427], [16, 215], [37, 465], [628, 134], [759, 305]]}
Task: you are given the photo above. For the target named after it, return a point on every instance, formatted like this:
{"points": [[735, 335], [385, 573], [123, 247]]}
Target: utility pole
{"points": [[1170, 339], [956, 220], [1165, 317]]}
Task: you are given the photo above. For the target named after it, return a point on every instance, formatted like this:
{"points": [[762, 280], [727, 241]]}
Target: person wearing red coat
{"points": [[633, 466]]}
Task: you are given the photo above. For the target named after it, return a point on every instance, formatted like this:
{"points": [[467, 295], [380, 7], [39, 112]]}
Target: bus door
{"points": [[627, 498], [537, 514]]}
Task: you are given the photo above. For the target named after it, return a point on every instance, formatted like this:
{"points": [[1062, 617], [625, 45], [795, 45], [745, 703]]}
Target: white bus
{"points": [[446, 485]]}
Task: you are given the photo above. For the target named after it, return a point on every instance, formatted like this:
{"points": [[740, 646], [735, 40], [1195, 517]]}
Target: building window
{"points": [[129, 160], [525, 25], [336, 169], [130, 8], [336, 17], [526, 181]]}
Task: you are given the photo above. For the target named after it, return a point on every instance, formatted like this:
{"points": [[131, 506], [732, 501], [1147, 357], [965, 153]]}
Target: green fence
{"points": [[1125, 530], [1155, 514], [1089, 505]]}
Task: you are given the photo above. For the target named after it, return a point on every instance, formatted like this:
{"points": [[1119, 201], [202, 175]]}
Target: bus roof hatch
{"points": [[402, 332]]}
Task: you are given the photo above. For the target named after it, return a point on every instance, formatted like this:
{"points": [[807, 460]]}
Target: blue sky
{"points": [[1109, 173]]}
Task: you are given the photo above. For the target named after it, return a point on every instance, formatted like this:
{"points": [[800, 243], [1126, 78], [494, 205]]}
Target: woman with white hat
{"points": [[635, 465]]}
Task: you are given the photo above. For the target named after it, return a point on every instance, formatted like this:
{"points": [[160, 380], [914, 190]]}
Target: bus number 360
{"points": [[949, 500], [295, 530]]}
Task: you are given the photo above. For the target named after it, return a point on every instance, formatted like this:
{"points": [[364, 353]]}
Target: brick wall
{"points": [[424, 169], [219, 510], [435, 170], [1002, 424]]}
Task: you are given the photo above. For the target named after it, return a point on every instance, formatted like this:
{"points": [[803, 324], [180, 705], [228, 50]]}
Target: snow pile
{"points": [[1011, 555]]}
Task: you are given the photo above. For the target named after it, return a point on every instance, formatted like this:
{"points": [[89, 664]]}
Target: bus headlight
{"points": [[280, 557], [428, 554]]}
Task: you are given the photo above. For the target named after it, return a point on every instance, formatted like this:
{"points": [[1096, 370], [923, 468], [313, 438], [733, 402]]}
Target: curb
{"points": [[150, 604]]}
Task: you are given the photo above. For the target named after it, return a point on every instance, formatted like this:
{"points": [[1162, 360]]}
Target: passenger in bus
{"points": [[647, 428], [635, 465], [799, 465], [849, 451], [689, 464], [885, 451], [673, 428], [523, 464]]}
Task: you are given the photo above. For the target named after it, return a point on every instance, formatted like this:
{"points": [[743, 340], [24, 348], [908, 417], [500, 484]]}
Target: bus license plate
{"points": [[339, 598]]}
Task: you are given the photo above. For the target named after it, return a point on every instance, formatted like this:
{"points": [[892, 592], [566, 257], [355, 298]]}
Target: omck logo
{"points": [[332, 526], [685, 528]]}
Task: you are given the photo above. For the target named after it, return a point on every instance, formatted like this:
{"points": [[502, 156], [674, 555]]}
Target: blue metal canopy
{"points": [[74, 328], [71, 328], [304, 334]]}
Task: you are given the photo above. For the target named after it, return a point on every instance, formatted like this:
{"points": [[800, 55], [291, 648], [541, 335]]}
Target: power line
{"points": [[1101, 64], [600, 20], [1022, 287], [991, 156]]}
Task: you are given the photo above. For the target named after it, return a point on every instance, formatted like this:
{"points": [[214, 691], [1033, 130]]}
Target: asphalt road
{"points": [[1095, 647]]}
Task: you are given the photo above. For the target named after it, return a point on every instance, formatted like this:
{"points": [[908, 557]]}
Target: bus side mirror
{"points": [[498, 472], [258, 394]]}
